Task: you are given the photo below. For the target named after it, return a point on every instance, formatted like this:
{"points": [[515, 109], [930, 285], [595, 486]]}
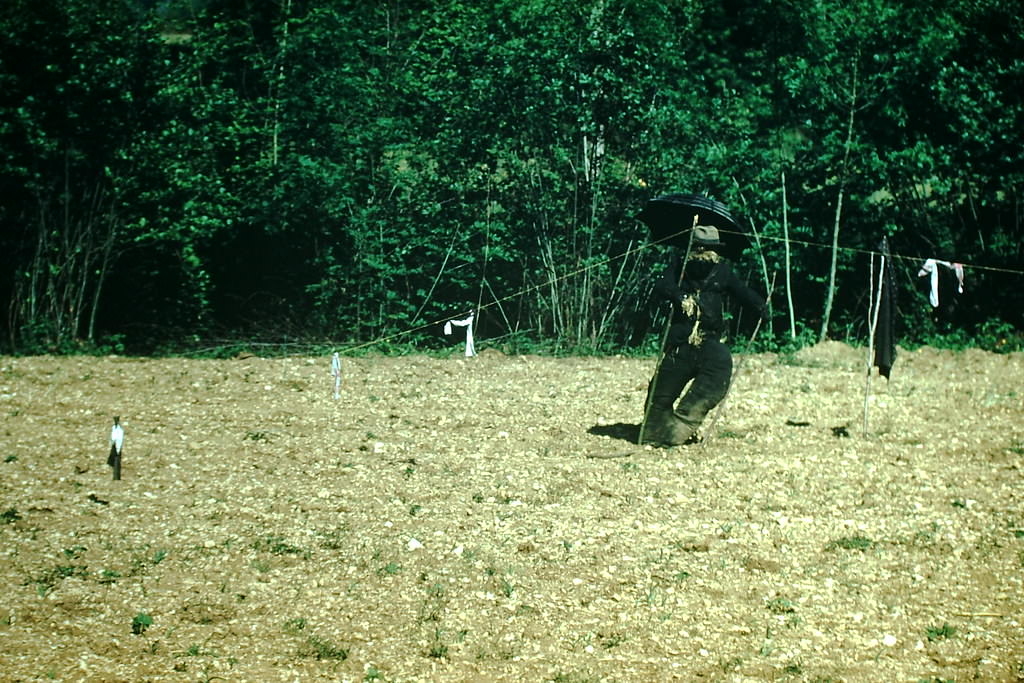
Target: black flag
{"points": [[885, 333]]}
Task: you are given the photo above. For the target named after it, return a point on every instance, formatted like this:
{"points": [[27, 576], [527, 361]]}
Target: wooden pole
{"points": [[873, 315], [789, 282]]}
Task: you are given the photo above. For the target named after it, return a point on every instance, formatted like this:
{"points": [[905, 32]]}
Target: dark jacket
{"points": [[707, 282]]}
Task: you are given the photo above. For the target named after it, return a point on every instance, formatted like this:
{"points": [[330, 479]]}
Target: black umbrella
{"points": [[670, 218]]}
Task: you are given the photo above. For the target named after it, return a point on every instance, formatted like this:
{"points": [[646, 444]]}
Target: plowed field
{"points": [[451, 519]]}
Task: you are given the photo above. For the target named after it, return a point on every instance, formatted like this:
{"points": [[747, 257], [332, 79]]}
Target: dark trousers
{"points": [[709, 366]]}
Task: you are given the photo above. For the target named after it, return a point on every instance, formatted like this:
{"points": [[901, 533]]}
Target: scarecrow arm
{"points": [[747, 296]]}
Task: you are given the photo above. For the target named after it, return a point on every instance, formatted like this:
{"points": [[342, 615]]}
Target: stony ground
{"points": [[449, 519]]}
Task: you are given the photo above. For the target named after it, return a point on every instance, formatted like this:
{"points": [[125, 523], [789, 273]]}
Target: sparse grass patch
{"points": [[313, 645], [335, 539], [46, 581], [851, 543]]}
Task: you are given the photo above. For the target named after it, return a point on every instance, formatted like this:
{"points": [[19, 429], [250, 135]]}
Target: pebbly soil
{"points": [[452, 519]]}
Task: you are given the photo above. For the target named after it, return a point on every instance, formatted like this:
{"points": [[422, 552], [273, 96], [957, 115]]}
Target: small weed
{"points": [[141, 622], [10, 516], [960, 503], [294, 626], [322, 649], [414, 510], [438, 650], [11, 458], [569, 678], [630, 467], [507, 589], [781, 606], [109, 576], [276, 545], [850, 543], [373, 674], [63, 572], [193, 650], [793, 669], [609, 642], [314, 646], [941, 633], [257, 436], [730, 665], [390, 569], [158, 557], [335, 538]]}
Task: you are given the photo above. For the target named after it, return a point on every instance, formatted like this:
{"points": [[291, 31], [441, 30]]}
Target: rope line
{"points": [[644, 247], [871, 252]]}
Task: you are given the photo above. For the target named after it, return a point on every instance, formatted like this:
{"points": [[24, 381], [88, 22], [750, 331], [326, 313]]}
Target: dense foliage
{"points": [[188, 170]]}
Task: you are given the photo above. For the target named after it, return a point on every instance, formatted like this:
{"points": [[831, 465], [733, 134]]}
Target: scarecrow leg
{"points": [[664, 339]]}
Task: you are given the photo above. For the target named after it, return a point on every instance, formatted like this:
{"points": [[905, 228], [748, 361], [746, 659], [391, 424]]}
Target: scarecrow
{"points": [[695, 284]]}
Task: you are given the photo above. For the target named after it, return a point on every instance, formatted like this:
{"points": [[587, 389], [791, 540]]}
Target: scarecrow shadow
{"points": [[619, 430]]}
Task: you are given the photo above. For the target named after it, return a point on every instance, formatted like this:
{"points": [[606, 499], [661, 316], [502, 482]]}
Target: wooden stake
{"points": [[874, 324]]}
